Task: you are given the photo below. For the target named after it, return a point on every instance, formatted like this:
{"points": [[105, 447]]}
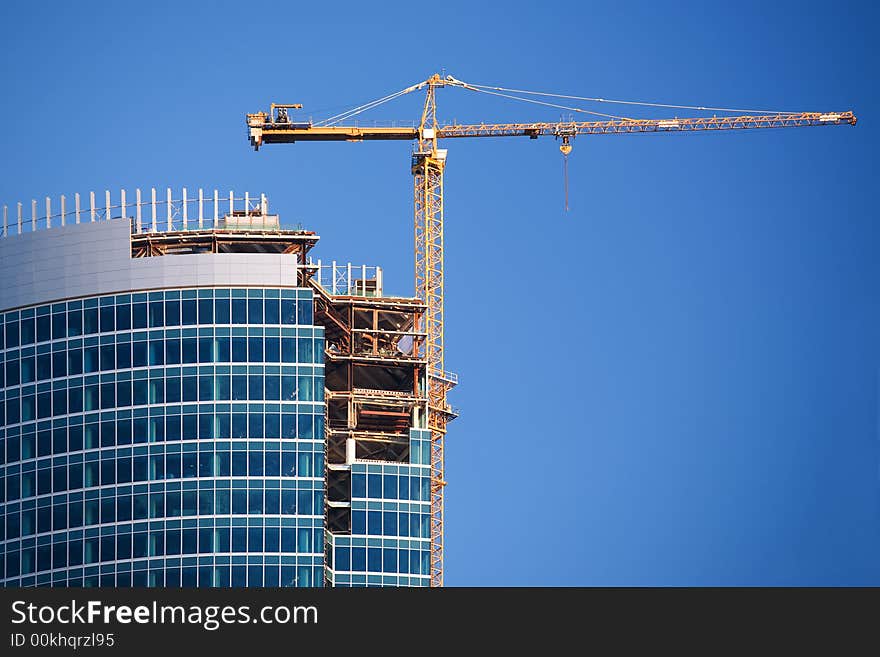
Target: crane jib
{"points": [[272, 133]]}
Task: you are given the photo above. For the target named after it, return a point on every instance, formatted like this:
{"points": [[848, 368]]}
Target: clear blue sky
{"points": [[674, 383]]}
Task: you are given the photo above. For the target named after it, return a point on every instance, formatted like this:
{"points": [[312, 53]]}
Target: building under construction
{"points": [[203, 404]]}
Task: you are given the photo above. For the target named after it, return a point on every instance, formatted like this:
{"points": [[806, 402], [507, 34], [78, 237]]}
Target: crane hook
{"points": [[565, 149]]}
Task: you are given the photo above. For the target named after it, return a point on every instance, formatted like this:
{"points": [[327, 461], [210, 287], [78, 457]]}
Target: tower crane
{"points": [[427, 167]]}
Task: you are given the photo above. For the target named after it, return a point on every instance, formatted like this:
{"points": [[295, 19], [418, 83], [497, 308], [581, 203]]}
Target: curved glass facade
{"points": [[163, 439], [389, 543]]}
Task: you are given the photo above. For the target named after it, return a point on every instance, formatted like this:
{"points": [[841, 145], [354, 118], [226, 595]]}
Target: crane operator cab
{"points": [[278, 115]]}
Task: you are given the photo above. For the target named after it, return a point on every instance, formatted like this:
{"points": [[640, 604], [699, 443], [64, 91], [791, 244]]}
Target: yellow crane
{"points": [[427, 165]]}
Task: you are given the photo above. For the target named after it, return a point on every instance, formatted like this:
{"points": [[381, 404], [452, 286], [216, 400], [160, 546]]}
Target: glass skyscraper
{"points": [[163, 416]]}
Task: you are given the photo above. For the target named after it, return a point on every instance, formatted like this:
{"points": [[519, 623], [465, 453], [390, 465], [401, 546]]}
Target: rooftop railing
{"points": [[149, 211], [348, 279]]}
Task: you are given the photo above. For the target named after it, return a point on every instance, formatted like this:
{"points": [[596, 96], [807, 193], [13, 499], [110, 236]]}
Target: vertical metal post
{"points": [[231, 203], [76, 203], [184, 208], [264, 205], [216, 208], [122, 202], [48, 212], [333, 276], [155, 227], [19, 219], [107, 214], [363, 280], [137, 211], [5, 220], [349, 279], [201, 208], [33, 215], [319, 271], [63, 222], [168, 206], [92, 205]]}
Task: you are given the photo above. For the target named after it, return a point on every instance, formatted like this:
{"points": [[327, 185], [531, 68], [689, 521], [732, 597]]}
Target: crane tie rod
{"points": [[471, 87], [333, 120], [508, 93], [368, 106], [628, 102]]}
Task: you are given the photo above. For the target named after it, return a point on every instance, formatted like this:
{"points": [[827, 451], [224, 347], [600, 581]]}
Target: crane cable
{"points": [[497, 91], [565, 177], [627, 102], [477, 88], [565, 148], [367, 106]]}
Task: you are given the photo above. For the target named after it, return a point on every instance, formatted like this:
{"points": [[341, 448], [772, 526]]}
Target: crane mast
{"points": [[427, 166], [428, 163]]}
